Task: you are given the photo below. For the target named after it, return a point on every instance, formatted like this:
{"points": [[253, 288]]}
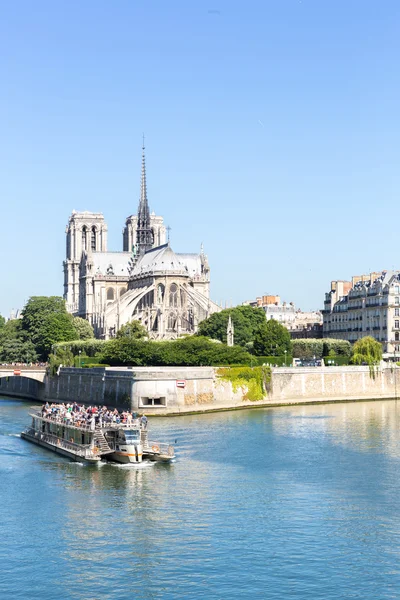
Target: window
{"points": [[396, 324], [122, 292], [110, 294], [84, 237], [397, 312], [397, 348], [396, 300], [173, 295], [396, 337], [93, 240], [172, 322]]}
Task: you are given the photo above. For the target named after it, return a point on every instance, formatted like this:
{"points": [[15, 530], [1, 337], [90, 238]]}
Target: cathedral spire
{"points": [[144, 233]]}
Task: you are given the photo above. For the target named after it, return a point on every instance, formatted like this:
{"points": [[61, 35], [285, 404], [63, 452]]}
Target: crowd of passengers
{"points": [[91, 416]]}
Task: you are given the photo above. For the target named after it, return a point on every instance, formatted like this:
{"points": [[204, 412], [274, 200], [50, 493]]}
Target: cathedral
{"points": [[168, 293]]}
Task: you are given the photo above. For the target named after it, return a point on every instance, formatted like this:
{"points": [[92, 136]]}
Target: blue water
{"points": [[299, 502]]}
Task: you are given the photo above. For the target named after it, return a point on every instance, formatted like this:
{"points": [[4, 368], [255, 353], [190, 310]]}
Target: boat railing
{"points": [[83, 450], [83, 426], [164, 449]]}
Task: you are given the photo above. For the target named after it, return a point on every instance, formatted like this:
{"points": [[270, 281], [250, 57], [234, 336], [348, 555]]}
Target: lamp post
{"points": [[285, 356], [80, 365]]}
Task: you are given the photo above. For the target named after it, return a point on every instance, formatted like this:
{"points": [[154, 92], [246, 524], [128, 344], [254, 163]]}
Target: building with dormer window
{"points": [[368, 305]]}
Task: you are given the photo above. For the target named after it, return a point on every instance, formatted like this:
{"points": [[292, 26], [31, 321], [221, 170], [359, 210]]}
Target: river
{"points": [[300, 502]]}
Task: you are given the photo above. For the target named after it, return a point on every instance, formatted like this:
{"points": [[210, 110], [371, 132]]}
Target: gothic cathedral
{"points": [[167, 292]]}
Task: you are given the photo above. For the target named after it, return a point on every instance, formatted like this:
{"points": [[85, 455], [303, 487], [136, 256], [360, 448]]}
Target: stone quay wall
{"points": [[174, 390], [22, 387]]}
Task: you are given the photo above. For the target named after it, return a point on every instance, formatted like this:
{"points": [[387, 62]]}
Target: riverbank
{"points": [[170, 391]]}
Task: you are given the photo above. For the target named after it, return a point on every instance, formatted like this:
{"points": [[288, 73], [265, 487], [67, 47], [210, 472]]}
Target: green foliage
{"points": [[246, 320], [187, 351], [273, 360], [272, 338], [336, 360], [16, 350], [367, 351], [2, 321], [64, 357], [46, 321], [133, 330], [308, 348], [255, 380], [88, 347], [334, 347], [84, 330], [12, 330]]}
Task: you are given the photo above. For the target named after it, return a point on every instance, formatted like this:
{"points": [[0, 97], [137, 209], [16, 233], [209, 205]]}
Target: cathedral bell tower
{"points": [[144, 232]]}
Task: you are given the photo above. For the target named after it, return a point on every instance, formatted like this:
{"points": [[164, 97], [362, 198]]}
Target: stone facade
{"points": [[368, 305], [168, 293]]}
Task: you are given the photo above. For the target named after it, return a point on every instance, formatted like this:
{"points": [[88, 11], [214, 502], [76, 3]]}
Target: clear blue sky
{"points": [[272, 134]]}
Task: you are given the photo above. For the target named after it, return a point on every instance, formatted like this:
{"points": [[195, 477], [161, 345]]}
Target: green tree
{"points": [[188, 351], [367, 351], [133, 330], [272, 338], [46, 321], [84, 330], [2, 321], [246, 320], [16, 350], [12, 330]]}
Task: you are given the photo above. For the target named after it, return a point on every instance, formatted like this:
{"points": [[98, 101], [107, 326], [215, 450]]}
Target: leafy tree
{"points": [[63, 357], [246, 320], [188, 351], [308, 348], [272, 338], [46, 321], [16, 350], [84, 330], [2, 321], [12, 330], [367, 351], [133, 330]]}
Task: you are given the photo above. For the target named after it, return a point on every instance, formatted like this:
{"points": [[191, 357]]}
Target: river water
{"points": [[300, 502]]}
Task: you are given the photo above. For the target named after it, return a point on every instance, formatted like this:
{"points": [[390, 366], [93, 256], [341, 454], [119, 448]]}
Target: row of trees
{"points": [[46, 324], [45, 321]]}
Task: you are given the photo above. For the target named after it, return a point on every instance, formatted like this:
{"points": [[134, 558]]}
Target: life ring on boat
{"points": [[155, 448], [95, 450]]}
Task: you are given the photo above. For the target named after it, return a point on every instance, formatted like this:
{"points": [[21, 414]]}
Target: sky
{"points": [[272, 136]]}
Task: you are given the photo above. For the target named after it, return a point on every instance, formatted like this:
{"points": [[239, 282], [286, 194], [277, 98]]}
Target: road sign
{"points": [[180, 383]]}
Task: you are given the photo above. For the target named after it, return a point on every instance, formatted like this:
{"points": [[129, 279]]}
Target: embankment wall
{"points": [[22, 387], [171, 390]]}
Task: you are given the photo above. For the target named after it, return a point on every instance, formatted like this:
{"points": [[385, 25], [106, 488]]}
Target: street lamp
{"points": [[80, 365], [285, 356]]}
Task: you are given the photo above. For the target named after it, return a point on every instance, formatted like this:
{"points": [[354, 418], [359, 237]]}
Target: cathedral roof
{"points": [[192, 262], [161, 259], [111, 263]]}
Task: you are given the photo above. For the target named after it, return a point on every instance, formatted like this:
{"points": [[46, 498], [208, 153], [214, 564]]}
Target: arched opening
{"points": [[110, 294], [93, 239], [160, 293], [84, 237], [172, 322], [122, 292], [173, 294]]}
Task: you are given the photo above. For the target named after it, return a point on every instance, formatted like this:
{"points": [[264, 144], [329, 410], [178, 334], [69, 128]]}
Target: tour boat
{"points": [[119, 442]]}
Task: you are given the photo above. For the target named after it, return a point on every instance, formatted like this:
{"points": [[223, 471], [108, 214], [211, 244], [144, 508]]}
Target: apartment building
{"points": [[368, 305]]}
